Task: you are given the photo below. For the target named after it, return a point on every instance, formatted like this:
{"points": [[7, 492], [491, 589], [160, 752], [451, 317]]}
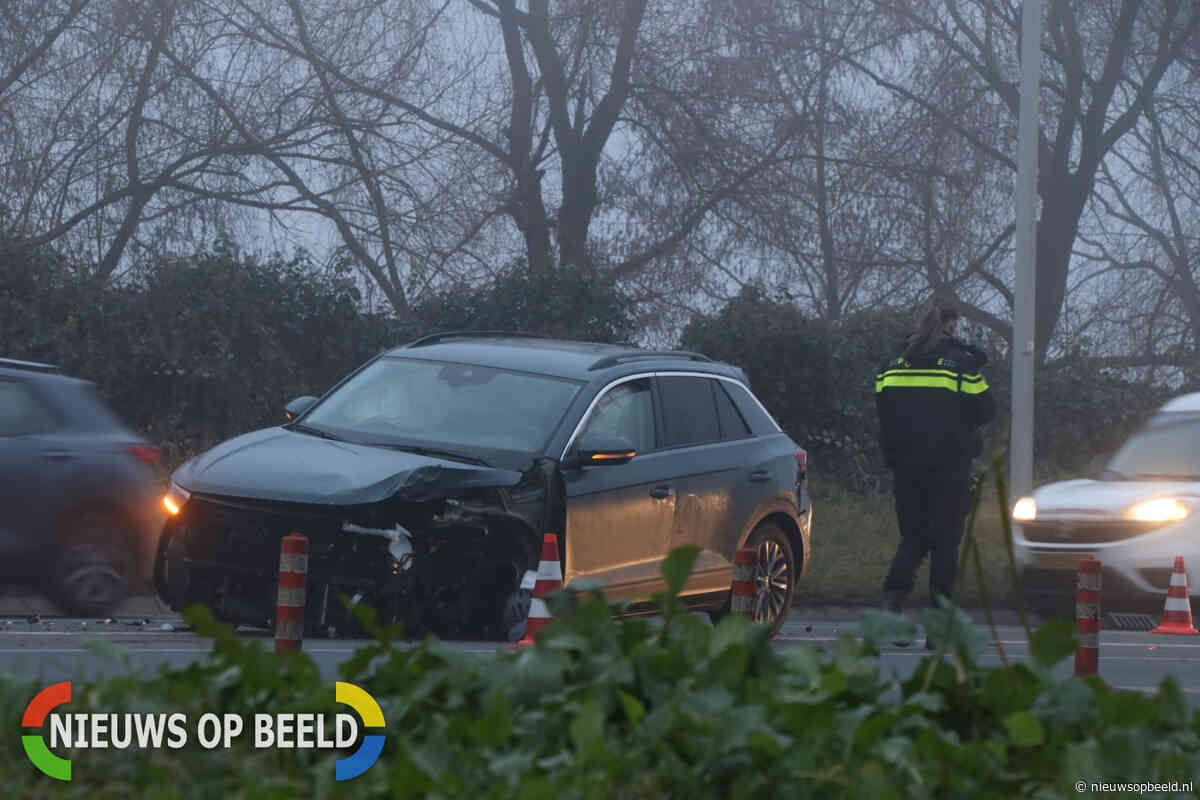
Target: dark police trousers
{"points": [[931, 507]]}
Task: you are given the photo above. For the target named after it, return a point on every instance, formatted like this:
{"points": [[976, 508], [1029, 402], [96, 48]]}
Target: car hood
{"points": [[1090, 499], [279, 464]]}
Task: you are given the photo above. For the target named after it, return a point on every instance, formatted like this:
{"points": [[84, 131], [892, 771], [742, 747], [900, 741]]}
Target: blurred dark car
{"points": [[79, 492], [425, 481]]}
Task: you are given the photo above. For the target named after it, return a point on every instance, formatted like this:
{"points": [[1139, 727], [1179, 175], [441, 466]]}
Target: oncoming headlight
{"points": [[1160, 509], [174, 499], [1024, 510]]}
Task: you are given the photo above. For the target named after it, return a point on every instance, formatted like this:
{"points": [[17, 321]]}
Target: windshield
{"points": [[1168, 447], [399, 401]]}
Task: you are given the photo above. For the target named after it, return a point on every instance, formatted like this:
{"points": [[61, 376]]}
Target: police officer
{"points": [[932, 400]]}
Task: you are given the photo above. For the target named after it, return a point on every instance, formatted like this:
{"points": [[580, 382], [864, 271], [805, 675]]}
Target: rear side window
{"points": [[21, 412], [732, 424], [689, 411], [759, 421]]}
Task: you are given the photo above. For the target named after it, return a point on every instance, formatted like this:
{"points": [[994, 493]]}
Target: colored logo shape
{"points": [[35, 715], [368, 752]]}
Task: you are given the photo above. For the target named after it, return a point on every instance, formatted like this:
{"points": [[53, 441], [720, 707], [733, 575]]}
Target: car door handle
{"points": [[760, 475], [660, 492], [58, 455]]}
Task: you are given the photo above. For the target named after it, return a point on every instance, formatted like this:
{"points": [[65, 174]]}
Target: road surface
{"points": [[58, 649]]}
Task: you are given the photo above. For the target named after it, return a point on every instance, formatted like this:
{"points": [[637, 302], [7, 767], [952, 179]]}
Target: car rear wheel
{"points": [[91, 575], [774, 575]]}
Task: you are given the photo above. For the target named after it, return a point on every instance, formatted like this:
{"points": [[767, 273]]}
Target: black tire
{"points": [[515, 615], [773, 546], [92, 571], [775, 560]]}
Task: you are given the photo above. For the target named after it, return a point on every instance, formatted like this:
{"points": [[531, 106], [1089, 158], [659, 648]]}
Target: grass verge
{"points": [[855, 537]]}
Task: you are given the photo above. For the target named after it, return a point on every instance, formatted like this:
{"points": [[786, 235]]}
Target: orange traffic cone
{"points": [[741, 600], [1177, 617], [549, 579]]}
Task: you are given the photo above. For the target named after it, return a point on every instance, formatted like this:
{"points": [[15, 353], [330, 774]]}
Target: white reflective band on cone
{"points": [[1179, 579], [289, 629], [293, 562], [538, 609], [1089, 580], [291, 597], [1177, 604], [1087, 611], [549, 571], [1089, 641]]}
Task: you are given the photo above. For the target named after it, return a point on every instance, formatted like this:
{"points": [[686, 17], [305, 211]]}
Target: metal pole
{"points": [[1023, 349]]}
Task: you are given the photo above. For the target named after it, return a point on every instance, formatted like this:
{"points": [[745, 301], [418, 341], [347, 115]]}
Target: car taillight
{"points": [[144, 453], [802, 460]]}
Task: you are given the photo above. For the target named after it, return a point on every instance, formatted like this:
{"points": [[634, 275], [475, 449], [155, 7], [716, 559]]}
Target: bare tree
{"points": [[1153, 191], [100, 131], [1103, 62]]}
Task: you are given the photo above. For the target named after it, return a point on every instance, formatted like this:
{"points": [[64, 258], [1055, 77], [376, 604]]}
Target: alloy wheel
{"points": [[772, 580]]}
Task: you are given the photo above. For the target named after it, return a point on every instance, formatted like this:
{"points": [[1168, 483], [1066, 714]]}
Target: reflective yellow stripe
{"points": [[967, 377], [903, 379]]}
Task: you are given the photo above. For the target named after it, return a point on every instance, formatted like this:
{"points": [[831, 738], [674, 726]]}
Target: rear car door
{"points": [[721, 481], [620, 516], [29, 467]]}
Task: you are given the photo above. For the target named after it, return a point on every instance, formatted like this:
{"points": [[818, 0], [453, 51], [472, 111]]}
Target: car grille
{"points": [[1084, 531], [248, 532]]}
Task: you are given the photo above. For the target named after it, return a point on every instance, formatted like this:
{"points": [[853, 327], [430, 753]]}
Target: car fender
{"points": [[783, 508]]}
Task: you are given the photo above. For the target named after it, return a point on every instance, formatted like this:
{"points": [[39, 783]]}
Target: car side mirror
{"points": [[602, 450], [298, 406]]}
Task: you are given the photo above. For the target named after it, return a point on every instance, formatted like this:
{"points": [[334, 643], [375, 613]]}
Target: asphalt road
{"points": [[73, 649]]}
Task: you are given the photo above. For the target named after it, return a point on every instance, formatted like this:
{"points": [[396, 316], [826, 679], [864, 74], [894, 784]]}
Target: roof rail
{"points": [[32, 366], [613, 360], [435, 338]]}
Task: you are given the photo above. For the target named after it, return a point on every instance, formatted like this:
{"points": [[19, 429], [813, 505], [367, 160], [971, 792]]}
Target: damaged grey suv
{"points": [[425, 480]]}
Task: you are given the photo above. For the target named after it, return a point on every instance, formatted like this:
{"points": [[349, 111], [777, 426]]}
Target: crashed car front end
{"points": [[444, 551]]}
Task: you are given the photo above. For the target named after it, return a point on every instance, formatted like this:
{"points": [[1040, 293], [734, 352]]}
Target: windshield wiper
{"points": [[432, 452], [315, 432]]}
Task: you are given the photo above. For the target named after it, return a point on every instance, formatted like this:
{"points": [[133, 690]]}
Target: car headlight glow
{"points": [[1025, 510], [1160, 509], [175, 497]]}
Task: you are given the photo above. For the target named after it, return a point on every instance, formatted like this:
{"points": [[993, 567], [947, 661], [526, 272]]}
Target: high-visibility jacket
{"points": [[932, 404]]}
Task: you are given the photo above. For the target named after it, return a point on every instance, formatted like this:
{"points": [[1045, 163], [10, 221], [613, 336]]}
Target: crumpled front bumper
{"points": [[225, 555]]}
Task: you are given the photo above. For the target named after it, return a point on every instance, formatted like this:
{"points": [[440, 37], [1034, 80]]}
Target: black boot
{"points": [[893, 601]]}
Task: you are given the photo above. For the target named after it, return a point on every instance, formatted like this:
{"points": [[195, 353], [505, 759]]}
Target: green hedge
{"points": [[195, 350], [817, 378], [630, 709]]}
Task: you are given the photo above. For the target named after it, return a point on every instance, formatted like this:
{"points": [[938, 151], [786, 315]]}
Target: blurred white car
{"points": [[1136, 516]]}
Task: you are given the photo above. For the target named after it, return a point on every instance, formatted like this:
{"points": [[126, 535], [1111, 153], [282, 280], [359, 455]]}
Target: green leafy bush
{"points": [[633, 709]]}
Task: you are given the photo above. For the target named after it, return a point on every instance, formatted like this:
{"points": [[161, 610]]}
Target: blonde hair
{"points": [[929, 329]]}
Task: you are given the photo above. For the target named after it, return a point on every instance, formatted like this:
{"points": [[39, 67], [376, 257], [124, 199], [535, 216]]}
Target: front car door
{"points": [[620, 516], [29, 467]]}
